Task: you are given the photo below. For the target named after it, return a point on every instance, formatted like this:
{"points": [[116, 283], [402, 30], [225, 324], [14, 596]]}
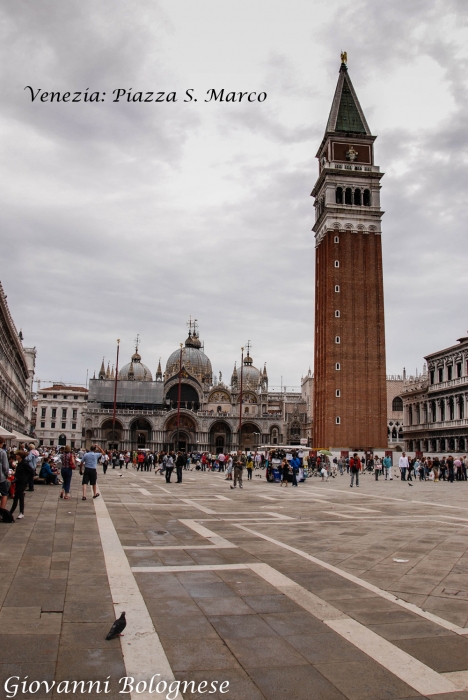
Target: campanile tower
{"points": [[350, 373]]}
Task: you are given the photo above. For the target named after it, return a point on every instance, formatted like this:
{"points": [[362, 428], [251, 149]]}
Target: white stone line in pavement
{"points": [[270, 498], [175, 504], [141, 648], [361, 582], [458, 678], [341, 515], [416, 674], [181, 569], [411, 671], [184, 546], [209, 534], [163, 489], [223, 498], [198, 506], [145, 492]]}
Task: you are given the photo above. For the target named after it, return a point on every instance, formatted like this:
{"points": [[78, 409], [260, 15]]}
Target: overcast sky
{"points": [[121, 218]]}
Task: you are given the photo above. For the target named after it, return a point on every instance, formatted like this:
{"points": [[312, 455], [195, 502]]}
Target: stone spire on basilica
{"points": [[102, 371]]}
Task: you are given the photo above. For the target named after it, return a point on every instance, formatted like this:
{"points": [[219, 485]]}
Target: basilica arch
{"points": [[250, 436], [141, 432], [220, 437], [112, 438], [187, 433], [189, 396]]}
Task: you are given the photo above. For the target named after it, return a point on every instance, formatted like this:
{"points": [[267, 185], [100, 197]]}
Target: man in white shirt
{"points": [[221, 460], [404, 464]]}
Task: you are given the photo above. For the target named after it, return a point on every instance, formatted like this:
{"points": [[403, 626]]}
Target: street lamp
{"points": [[178, 397], [240, 400]]}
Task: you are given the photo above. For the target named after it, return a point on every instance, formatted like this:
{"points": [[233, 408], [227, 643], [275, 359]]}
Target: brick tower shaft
{"points": [[350, 372]]}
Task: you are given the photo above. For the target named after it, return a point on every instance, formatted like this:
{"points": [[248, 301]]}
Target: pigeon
{"points": [[409, 484], [118, 627]]}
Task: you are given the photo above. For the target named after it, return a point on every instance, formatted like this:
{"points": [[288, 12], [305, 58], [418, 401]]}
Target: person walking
{"points": [[284, 472], [121, 460], [377, 467], [295, 464], [4, 474], [32, 457], [436, 467], [249, 465], [239, 464], [180, 464], [387, 465], [105, 462], [23, 473], [229, 468], [89, 470], [355, 467], [450, 468], [169, 467], [403, 464], [67, 461]]}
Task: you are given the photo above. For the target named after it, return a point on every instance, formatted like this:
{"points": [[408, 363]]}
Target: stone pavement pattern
{"points": [[285, 593]]}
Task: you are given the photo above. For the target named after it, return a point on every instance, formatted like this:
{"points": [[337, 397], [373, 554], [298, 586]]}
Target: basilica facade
{"points": [[213, 416]]}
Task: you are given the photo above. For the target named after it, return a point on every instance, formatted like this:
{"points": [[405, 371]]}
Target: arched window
{"points": [[367, 198], [337, 287], [337, 263], [337, 366], [394, 434], [338, 420], [337, 240], [337, 314], [337, 393], [337, 339], [397, 404], [348, 196], [339, 195], [357, 196]]}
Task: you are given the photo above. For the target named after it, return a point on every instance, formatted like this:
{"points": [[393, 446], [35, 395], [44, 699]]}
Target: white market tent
{"points": [[6, 433]]}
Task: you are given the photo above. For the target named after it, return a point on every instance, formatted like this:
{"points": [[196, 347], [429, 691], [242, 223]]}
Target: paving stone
{"points": [[241, 686], [187, 655], [263, 652], [356, 684], [443, 654], [272, 603], [416, 629], [294, 683]]}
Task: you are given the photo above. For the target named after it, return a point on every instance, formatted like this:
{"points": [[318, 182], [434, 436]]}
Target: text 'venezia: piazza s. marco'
{"points": [[139, 96]]}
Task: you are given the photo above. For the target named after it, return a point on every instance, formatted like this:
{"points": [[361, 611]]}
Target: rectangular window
{"points": [[52, 425], [43, 412], [459, 369], [73, 426], [51, 443], [432, 376], [72, 444], [337, 339], [42, 425], [41, 442], [54, 396], [64, 425], [449, 372], [64, 412], [75, 413], [441, 374], [75, 397], [337, 393], [54, 413], [337, 263], [338, 420], [337, 287], [44, 396], [337, 366], [337, 314]]}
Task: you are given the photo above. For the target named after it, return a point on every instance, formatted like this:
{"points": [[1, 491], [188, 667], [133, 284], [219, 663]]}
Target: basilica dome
{"points": [[251, 376], [136, 370], [194, 360]]}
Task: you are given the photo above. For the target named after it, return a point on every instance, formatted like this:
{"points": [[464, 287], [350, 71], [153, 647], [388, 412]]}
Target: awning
{"points": [[6, 433], [24, 438]]}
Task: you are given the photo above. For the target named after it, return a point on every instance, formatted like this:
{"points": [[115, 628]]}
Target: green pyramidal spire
{"points": [[346, 115]]}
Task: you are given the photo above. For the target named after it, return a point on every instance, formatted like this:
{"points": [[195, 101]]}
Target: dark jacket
{"points": [[181, 461], [23, 472]]}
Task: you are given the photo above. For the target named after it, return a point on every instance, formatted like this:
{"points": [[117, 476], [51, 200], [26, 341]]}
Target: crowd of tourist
{"points": [[19, 468]]}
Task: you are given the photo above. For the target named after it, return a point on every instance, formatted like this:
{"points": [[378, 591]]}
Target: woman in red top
{"points": [[141, 459]]}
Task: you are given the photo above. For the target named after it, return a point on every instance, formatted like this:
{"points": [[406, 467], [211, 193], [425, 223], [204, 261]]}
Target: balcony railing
{"points": [[450, 382], [439, 424]]}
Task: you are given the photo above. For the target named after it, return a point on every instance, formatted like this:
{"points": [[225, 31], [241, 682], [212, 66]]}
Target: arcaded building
{"points": [[436, 403], [350, 398]]}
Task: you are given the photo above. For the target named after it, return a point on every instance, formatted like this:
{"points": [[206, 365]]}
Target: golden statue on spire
{"points": [[344, 57]]}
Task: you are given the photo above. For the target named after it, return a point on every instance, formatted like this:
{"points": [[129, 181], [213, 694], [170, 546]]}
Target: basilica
{"points": [[212, 416]]}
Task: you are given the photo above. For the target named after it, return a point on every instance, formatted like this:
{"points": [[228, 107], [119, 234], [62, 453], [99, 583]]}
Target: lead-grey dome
{"points": [[136, 370], [250, 374], [194, 360]]}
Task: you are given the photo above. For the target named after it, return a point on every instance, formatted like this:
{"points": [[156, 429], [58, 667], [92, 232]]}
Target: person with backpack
{"points": [[67, 460], [355, 467]]}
